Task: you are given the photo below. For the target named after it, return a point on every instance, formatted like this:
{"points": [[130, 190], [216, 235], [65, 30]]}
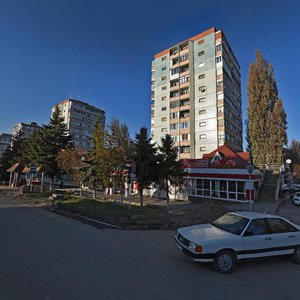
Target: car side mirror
{"points": [[248, 233]]}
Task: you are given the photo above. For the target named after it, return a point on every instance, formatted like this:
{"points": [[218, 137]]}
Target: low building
{"points": [[5, 141], [222, 174], [26, 128], [81, 119]]}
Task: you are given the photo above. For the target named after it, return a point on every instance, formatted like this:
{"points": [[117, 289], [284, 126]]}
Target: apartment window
{"points": [[163, 98], [163, 130], [201, 42], [202, 149], [185, 149], [201, 76], [184, 125], [164, 119], [163, 68], [164, 108], [202, 112], [164, 78], [202, 88], [201, 100], [184, 79], [174, 104], [201, 65], [202, 136], [174, 115], [173, 126], [218, 59], [174, 71], [200, 53], [219, 47], [221, 109], [202, 124], [185, 137], [164, 58], [164, 88], [152, 102]]}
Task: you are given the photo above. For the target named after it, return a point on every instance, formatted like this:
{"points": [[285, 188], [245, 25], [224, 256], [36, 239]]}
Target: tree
{"points": [[70, 162], [12, 154], [146, 161], [170, 170], [120, 148], [293, 152], [45, 144], [266, 124]]}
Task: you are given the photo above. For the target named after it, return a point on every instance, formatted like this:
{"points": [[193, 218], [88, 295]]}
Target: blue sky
{"points": [[101, 52]]}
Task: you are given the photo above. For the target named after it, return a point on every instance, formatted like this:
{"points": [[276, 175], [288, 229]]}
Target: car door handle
{"points": [[291, 236], [268, 239]]}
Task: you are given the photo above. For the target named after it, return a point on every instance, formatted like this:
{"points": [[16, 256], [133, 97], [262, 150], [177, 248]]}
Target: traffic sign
{"points": [[250, 168], [32, 169]]}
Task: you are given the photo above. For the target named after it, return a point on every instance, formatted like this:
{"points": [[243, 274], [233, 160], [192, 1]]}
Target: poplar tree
{"points": [[266, 124]]}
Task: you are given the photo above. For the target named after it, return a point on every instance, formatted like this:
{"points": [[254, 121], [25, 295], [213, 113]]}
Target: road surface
{"points": [[47, 256]]}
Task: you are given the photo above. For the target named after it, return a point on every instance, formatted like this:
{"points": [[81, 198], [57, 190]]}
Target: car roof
{"points": [[253, 214]]}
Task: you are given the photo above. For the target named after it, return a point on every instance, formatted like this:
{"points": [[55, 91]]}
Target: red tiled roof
{"points": [[240, 158]]}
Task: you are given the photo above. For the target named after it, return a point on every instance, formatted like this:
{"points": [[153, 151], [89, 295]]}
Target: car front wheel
{"points": [[224, 261], [296, 255]]}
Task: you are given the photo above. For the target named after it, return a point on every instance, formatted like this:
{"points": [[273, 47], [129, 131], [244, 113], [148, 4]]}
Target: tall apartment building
{"points": [[5, 141], [196, 95], [26, 128], [81, 119]]}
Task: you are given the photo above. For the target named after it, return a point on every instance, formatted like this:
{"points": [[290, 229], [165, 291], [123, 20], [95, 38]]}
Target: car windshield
{"points": [[232, 223]]}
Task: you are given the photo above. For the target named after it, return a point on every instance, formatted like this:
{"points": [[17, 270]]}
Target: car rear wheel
{"points": [[224, 261], [296, 255]]}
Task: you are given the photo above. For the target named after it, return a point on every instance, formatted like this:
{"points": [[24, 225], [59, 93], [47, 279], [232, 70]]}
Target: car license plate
{"points": [[179, 247]]}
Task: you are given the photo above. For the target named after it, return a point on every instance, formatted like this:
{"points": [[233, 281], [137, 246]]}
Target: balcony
{"points": [[184, 62], [185, 85]]}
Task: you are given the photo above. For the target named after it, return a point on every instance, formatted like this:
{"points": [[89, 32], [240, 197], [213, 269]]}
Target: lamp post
{"points": [[250, 168]]}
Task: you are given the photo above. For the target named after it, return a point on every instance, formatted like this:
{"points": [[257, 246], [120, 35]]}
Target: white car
{"points": [[296, 198], [237, 236]]}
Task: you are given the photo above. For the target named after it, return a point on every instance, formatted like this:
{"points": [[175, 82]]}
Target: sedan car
{"points": [[296, 198], [238, 236]]}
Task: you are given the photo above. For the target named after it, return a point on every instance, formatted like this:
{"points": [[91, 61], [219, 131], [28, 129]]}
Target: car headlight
{"points": [[194, 247]]}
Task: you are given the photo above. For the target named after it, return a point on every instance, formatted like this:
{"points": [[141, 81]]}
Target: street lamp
{"points": [[250, 168]]}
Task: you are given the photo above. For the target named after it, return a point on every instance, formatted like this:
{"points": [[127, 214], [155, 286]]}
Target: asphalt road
{"points": [[46, 256], [288, 210]]}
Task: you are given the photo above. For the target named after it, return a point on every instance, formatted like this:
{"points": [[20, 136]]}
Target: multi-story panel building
{"points": [[196, 95], [5, 141], [26, 128], [81, 119]]}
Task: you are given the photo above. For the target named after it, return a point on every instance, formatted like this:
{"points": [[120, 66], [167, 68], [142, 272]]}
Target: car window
{"points": [[257, 227], [280, 226], [232, 223]]}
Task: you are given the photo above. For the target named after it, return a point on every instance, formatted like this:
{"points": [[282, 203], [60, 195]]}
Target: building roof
{"points": [[226, 155], [78, 101], [193, 38]]}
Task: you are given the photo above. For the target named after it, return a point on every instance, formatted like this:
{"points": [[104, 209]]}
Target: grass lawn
{"points": [[114, 212], [146, 217]]}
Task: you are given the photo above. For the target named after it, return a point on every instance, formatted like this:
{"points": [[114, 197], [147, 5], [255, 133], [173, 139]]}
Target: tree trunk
{"points": [[141, 195], [167, 191], [94, 194]]}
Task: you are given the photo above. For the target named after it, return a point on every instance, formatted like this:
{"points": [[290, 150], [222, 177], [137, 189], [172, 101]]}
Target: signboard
{"points": [[194, 163], [32, 169]]}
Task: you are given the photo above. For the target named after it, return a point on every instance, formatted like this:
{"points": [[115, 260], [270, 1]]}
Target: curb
{"points": [[82, 218]]}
